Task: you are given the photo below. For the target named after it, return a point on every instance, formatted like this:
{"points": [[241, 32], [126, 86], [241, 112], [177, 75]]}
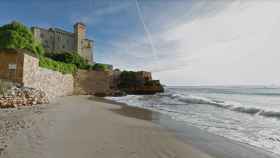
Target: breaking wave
{"points": [[233, 106], [203, 107]]}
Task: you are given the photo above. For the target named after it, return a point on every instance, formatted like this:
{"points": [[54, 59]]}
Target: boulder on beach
{"points": [[22, 96]]}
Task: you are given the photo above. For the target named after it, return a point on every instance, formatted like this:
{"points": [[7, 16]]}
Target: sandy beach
{"points": [[77, 126]]}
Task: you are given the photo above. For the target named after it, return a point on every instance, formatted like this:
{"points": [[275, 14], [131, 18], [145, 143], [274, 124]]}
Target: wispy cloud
{"points": [[233, 44]]}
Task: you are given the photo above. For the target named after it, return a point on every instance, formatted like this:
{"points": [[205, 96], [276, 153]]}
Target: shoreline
{"points": [[77, 126], [193, 135], [87, 126]]}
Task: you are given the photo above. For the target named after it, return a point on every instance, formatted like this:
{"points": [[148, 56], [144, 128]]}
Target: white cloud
{"points": [[237, 45]]}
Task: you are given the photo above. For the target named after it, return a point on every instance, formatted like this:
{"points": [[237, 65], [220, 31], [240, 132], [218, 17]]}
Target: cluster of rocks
{"points": [[112, 93], [22, 96]]}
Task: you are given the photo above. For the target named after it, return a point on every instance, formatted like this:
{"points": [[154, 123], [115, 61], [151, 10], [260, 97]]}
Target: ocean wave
{"points": [[233, 106], [247, 110], [270, 114]]}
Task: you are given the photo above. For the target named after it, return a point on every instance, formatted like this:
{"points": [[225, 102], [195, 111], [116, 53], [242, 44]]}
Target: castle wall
{"points": [[57, 40], [64, 42], [54, 40], [87, 51], [45, 37], [92, 82]]}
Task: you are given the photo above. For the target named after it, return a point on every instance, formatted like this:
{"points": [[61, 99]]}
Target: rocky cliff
{"points": [[139, 83]]}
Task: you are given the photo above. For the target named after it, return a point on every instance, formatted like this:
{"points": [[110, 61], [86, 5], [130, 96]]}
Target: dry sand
{"points": [[77, 127]]}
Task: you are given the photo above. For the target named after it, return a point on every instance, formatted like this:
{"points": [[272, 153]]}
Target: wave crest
{"points": [[233, 106]]}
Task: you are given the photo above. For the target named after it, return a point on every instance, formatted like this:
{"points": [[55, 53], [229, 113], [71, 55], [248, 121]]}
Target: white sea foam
{"points": [[251, 116], [230, 105]]}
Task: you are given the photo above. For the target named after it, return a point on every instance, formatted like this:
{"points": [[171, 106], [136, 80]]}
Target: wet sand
{"points": [[80, 127], [213, 145]]}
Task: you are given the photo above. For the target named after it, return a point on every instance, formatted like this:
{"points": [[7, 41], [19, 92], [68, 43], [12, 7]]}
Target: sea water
{"points": [[246, 114]]}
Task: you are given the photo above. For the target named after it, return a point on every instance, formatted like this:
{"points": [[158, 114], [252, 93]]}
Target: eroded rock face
{"points": [[22, 96], [144, 89], [148, 87]]}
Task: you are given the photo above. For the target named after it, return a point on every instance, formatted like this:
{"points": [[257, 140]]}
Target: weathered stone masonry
{"points": [[58, 40], [53, 83], [24, 68], [92, 82]]}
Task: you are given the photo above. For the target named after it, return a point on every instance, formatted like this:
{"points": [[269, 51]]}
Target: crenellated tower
{"points": [[83, 46], [80, 35]]}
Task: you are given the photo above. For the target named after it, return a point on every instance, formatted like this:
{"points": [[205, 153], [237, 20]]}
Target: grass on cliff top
{"points": [[69, 58], [77, 60], [57, 66]]}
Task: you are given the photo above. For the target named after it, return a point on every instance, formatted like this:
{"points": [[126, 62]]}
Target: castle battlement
{"points": [[58, 40]]}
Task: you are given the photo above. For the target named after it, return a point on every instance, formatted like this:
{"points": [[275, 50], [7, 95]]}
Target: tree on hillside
{"points": [[16, 35]]}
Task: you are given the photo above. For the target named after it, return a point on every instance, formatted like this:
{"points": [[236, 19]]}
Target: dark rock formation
{"points": [[145, 88], [140, 82]]}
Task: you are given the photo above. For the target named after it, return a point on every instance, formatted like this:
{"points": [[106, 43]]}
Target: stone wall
{"points": [[92, 82], [53, 83], [29, 74]]}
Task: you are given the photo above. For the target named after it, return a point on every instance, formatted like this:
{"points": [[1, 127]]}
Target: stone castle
{"points": [[58, 40], [22, 67]]}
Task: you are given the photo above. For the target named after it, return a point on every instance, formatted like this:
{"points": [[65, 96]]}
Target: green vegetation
{"points": [[16, 35], [70, 58], [128, 75], [75, 59], [100, 67], [57, 66], [128, 79]]}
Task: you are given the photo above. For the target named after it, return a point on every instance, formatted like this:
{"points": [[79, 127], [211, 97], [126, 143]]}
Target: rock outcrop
{"points": [[148, 87], [139, 82], [22, 96]]}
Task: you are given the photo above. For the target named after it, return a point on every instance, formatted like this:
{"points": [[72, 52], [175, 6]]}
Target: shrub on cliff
{"points": [[70, 58], [127, 79], [128, 75], [100, 67], [16, 35], [75, 59], [57, 66]]}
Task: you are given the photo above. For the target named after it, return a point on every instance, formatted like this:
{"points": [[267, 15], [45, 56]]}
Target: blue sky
{"points": [[183, 42]]}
